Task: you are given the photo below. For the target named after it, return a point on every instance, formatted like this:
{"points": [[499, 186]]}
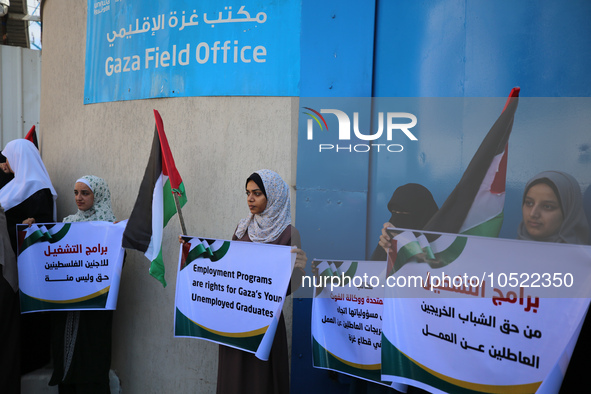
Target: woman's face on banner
{"points": [[256, 200], [542, 213], [84, 196]]}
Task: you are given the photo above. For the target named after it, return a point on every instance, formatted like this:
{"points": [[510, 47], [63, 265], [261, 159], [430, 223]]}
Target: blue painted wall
{"points": [[458, 60]]}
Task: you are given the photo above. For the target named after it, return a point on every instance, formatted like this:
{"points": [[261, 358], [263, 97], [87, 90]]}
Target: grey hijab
{"points": [[574, 228]]}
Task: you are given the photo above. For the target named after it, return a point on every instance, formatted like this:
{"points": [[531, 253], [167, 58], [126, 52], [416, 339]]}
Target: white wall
{"points": [[216, 141]]}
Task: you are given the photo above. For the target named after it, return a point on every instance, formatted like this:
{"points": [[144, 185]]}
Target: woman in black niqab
{"points": [[412, 206]]}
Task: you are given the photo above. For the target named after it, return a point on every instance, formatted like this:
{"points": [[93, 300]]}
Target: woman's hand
{"points": [[315, 268], [29, 221], [385, 239], [301, 258], [181, 240]]}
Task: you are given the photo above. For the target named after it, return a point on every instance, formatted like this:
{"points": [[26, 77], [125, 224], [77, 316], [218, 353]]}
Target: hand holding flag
{"points": [[474, 207], [161, 194]]}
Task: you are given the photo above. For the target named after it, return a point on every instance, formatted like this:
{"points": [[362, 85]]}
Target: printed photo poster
{"points": [[69, 266], [347, 312], [146, 49], [231, 292], [481, 314]]}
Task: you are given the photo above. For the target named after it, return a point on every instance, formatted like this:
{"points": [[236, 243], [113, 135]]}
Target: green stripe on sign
{"points": [[29, 303], [396, 363], [324, 359], [186, 327], [39, 236]]}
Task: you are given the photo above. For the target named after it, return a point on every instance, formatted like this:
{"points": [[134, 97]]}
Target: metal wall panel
{"points": [[457, 60], [20, 92], [336, 62]]}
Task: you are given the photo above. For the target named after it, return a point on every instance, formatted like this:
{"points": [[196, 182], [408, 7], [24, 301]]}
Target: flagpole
{"points": [[178, 209]]}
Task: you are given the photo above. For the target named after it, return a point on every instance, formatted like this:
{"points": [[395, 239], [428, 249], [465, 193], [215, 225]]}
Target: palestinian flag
{"points": [[155, 204], [475, 206], [32, 136]]}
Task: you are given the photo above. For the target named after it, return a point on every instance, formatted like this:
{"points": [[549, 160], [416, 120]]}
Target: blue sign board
{"points": [[147, 49]]}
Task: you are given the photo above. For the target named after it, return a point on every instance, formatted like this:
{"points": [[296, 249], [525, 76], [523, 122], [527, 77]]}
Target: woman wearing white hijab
{"points": [[81, 340], [28, 198], [269, 222]]}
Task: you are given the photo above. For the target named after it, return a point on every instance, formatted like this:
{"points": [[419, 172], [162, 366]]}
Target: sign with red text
{"points": [[69, 266], [480, 314], [347, 317], [231, 292]]}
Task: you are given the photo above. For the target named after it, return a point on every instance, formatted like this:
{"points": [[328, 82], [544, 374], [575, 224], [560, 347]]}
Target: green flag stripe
{"points": [[169, 206], [490, 228], [157, 268]]}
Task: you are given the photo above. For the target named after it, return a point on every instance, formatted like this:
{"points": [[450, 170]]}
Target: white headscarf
{"points": [[574, 228], [30, 175], [101, 209], [268, 225]]}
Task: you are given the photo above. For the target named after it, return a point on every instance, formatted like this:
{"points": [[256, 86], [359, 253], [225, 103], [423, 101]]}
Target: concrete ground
{"points": [[36, 382]]}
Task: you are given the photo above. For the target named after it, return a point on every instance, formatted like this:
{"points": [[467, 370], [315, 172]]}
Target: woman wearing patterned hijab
{"points": [[81, 340], [100, 209], [267, 196]]}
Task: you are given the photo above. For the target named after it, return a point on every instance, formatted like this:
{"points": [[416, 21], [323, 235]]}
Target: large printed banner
{"points": [[347, 318], [482, 315], [145, 49], [69, 266], [231, 292]]}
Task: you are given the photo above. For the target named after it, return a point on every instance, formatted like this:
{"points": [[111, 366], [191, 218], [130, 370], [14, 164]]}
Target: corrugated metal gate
{"points": [[20, 92], [433, 49]]}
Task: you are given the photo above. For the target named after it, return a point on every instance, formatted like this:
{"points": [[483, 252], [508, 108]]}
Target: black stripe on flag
{"points": [[453, 212], [138, 232]]}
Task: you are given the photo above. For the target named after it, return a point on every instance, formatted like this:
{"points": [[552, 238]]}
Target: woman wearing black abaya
{"points": [[411, 206], [9, 315], [28, 198]]}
